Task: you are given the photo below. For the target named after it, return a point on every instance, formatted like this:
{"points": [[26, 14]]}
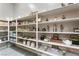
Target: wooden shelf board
{"points": [[60, 44]]}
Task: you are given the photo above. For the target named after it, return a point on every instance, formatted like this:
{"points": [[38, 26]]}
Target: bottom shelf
{"points": [[41, 51]]}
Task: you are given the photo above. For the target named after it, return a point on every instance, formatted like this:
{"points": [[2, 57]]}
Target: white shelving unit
{"points": [[37, 24], [3, 31]]}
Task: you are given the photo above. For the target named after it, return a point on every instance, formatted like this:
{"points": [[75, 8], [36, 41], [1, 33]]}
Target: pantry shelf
{"points": [[58, 32]]}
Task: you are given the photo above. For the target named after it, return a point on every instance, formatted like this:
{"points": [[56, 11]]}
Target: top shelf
{"points": [[60, 10]]}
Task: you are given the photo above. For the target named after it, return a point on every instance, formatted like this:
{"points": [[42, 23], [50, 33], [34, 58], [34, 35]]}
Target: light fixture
{"points": [[32, 7]]}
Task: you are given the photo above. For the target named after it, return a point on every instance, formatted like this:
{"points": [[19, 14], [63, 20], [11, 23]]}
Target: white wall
{"points": [[22, 9], [6, 10]]}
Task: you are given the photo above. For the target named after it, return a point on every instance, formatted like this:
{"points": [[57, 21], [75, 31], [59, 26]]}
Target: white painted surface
{"points": [[6, 10], [22, 9]]}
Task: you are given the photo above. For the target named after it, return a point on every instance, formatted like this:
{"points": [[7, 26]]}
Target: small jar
{"points": [[28, 43]]}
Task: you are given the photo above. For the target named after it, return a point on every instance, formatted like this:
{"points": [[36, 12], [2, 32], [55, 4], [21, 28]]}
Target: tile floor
{"points": [[15, 51]]}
